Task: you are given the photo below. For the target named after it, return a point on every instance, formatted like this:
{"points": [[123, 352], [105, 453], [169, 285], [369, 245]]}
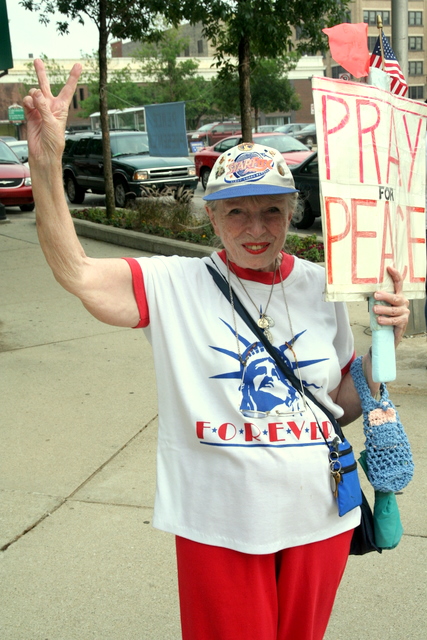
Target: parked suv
{"points": [[134, 170], [212, 133]]}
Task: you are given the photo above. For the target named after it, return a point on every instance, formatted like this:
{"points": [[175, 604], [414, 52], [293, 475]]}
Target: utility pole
{"points": [[399, 33]]}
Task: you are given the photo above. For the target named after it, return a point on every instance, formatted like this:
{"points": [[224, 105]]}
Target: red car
{"points": [[15, 181], [292, 150], [212, 133]]}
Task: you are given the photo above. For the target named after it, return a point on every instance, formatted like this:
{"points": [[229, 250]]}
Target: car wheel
{"points": [[120, 191], [204, 177], [27, 207], [75, 193], [309, 142], [307, 218]]}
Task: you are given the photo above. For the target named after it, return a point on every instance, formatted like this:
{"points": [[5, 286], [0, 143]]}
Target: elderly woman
{"points": [[243, 472]]}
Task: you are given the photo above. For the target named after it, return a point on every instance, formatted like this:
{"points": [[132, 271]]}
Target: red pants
{"points": [[228, 595]]}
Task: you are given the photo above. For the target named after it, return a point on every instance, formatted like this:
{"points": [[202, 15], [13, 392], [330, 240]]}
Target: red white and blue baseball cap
{"points": [[249, 169]]}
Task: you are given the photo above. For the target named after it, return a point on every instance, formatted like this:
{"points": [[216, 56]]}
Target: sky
{"points": [[27, 35]]}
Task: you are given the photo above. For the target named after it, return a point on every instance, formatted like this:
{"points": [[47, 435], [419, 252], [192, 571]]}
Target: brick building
{"points": [[367, 11]]}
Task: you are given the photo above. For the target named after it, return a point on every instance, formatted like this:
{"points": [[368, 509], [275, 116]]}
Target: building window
{"points": [[199, 46], [415, 68], [415, 18], [337, 71], [372, 41], [186, 52], [81, 94], [370, 17], [416, 93], [75, 105], [415, 43]]}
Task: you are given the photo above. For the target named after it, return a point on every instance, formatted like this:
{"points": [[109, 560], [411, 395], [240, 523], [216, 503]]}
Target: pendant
{"points": [[263, 322], [268, 335]]}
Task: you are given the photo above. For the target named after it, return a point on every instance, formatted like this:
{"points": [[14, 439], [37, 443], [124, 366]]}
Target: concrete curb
{"points": [[141, 241]]}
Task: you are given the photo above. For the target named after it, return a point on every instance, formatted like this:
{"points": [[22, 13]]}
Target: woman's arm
{"points": [[396, 314], [103, 285]]}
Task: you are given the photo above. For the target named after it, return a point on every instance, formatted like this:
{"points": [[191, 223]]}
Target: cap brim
{"points": [[242, 190]]}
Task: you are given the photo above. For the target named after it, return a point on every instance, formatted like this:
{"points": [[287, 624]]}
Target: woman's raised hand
{"points": [[46, 116]]}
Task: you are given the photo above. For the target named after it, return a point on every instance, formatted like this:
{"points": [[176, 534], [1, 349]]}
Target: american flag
{"points": [[398, 83]]}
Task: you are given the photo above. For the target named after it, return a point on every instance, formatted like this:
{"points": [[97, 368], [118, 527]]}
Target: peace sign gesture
{"points": [[47, 115]]}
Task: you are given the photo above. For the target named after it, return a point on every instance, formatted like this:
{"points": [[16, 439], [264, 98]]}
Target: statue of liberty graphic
{"points": [[265, 390]]}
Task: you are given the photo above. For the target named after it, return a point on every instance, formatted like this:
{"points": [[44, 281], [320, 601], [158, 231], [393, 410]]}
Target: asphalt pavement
{"points": [[79, 558]]}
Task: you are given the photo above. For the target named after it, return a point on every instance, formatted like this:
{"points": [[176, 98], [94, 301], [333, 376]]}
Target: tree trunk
{"points": [[245, 89], [103, 109], [256, 114]]}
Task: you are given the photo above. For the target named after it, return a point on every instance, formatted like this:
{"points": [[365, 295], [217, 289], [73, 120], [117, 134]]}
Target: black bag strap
{"points": [[224, 286]]}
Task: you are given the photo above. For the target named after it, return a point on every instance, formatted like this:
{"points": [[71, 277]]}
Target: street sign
{"points": [[16, 113]]}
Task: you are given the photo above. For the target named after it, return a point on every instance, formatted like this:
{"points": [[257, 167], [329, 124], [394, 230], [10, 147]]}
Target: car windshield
{"points": [[206, 127], [21, 149], [308, 128], [284, 144], [7, 156], [130, 145]]}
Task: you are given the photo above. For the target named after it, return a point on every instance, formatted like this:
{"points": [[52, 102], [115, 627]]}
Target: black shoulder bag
{"points": [[363, 540]]}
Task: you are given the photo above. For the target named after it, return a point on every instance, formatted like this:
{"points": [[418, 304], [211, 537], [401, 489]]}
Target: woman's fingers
{"points": [[66, 94], [395, 308], [42, 78], [69, 88]]}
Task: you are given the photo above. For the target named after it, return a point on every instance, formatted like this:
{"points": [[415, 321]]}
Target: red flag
{"points": [[398, 83], [349, 47]]}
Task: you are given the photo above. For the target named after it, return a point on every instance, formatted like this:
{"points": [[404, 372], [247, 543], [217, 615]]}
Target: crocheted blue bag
{"points": [[388, 452]]}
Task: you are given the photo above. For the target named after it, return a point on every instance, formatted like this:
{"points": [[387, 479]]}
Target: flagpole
{"points": [[380, 28], [383, 351]]}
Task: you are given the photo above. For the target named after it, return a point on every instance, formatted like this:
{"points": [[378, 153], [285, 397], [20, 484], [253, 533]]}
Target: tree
{"points": [[250, 30], [121, 89], [118, 18], [270, 89], [171, 79]]}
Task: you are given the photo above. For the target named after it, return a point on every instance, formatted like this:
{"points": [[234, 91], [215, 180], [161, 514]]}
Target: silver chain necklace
{"points": [[266, 331], [264, 321]]}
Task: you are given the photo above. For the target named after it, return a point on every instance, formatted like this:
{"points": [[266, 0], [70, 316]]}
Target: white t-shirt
{"points": [[249, 483]]}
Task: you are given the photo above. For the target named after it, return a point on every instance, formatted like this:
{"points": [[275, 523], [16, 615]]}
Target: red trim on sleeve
{"points": [[139, 292], [346, 369]]}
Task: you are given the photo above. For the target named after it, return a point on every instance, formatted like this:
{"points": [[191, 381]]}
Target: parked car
{"points": [[265, 128], [7, 138], [211, 133], [15, 181], [293, 151], [306, 176], [135, 172], [20, 148], [307, 135], [291, 128]]}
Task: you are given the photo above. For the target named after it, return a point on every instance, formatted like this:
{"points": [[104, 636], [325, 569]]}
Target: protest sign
{"points": [[371, 148]]}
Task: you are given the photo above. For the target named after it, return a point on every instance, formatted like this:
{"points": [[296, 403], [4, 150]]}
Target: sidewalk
{"points": [[80, 558]]}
